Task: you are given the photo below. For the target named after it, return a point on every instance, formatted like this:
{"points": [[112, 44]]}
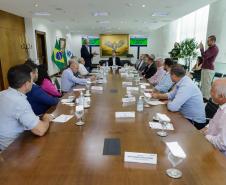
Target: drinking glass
{"points": [[173, 172], [79, 112]]}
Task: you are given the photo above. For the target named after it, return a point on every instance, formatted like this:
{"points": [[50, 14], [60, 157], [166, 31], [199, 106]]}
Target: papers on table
{"points": [[97, 88], [62, 118], [127, 83], [148, 95], [176, 149], [125, 114], [63, 101], [132, 88], [162, 117], [142, 86], [157, 125], [140, 158], [79, 89], [69, 104], [154, 102], [145, 84], [128, 100]]}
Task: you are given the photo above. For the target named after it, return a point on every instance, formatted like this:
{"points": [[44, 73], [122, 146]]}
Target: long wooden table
{"points": [[73, 155]]}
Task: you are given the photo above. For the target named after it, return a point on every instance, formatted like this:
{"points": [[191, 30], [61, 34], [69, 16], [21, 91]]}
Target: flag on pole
{"points": [[58, 56]]}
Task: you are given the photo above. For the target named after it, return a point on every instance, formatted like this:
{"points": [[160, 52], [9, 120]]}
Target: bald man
{"points": [[68, 80], [216, 133]]}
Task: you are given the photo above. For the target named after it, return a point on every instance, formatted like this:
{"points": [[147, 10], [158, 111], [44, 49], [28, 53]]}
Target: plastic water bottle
{"points": [[81, 99], [140, 104]]}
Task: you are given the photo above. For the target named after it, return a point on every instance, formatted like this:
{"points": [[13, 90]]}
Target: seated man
{"points": [[186, 97], [16, 114], [216, 133], [40, 100], [82, 70], [136, 65], [114, 60], [151, 68], [68, 80], [165, 84], [154, 80], [143, 63]]}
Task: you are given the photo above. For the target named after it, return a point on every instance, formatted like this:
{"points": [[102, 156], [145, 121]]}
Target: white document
{"points": [[97, 88], [176, 149], [66, 101], [148, 95], [155, 102], [128, 100], [125, 114], [157, 125], [132, 88], [145, 84], [69, 104], [79, 89], [140, 158], [162, 117], [142, 86], [62, 118], [124, 74], [127, 83]]}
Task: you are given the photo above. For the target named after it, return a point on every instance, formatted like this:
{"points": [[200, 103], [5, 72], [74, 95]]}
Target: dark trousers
{"points": [[89, 69], [199, 126]]}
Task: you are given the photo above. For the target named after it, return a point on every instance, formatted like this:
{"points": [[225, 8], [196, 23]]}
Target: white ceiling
{"points": [[125, 16]]}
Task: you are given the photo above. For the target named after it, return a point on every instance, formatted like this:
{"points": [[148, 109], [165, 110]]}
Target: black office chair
{"points": [[210, 109], [224, 75], [56, 82], [217, 75]]}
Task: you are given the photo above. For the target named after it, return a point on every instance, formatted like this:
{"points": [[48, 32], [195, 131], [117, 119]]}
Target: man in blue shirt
{"points": [[165, 84], [16, 114], [186, 97], [68, 79], [40, 101]]}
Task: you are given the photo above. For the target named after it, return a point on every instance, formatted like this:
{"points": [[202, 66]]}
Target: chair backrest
{"points": [[56, 82], [224, 75], [217, 75], [211, 109]]}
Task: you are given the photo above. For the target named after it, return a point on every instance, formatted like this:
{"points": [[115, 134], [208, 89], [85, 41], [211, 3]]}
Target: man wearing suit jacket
{"points": [[87, 55], [143, 63], [151, 67], [114, 60]]}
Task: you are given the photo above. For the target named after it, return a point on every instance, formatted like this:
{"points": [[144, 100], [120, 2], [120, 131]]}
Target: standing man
{"points": [[87, 55], [209, 57]]}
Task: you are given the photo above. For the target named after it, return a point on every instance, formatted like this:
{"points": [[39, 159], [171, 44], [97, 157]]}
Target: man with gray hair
{"points": [[216, 132], [82, 70], [68, 80], [155, 79]]}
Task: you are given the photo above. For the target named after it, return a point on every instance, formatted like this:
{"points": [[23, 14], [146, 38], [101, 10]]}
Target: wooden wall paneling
{"points": [[12, 32]]}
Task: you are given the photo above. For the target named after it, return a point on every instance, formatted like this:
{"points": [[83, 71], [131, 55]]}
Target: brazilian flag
{"points": [[59, 57]]}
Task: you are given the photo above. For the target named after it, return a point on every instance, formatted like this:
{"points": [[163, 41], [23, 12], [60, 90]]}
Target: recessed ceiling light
{"points": [[36, 5], [100, 14], [103, 22], [42, 14], [160, 14], [143, 5], [59, 9], [67, 27]]}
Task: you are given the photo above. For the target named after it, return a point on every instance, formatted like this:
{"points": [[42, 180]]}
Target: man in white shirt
{"points": [[82, 70], [216, 132]]}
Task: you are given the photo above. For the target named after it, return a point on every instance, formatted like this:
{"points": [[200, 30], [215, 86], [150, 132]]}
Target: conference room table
{"points": [[73, 155]]}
